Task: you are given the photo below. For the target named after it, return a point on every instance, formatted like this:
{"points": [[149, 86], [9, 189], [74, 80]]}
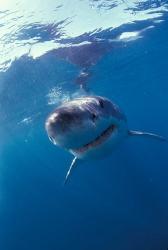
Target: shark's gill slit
{"points": [[98, 140]]}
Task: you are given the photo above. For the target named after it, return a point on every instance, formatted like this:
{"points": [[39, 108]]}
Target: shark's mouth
{"points": [[99, 140]]}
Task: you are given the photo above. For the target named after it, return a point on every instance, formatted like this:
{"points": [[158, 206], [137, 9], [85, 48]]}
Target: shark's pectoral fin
{"points": [[151, 135], [73, 164]]}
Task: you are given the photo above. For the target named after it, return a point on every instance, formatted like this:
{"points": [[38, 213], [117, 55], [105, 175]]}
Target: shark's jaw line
{"points": [[97, 141]]}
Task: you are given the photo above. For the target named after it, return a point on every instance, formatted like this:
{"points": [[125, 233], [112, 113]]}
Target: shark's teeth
{"points": [[99, 140]]}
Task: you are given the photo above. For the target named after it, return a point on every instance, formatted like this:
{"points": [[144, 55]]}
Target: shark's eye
{"points": [[94, 117], [101, 104]]}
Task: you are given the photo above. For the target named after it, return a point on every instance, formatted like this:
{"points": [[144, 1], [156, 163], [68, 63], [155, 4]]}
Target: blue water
{"points": [[121, 202]]}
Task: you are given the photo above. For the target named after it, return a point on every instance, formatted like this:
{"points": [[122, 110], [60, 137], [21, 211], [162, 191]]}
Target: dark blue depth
{"points": [[119, 203]]}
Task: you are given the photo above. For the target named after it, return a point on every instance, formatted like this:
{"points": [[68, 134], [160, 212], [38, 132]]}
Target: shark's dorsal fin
{"points": [[73, 164], [152, 135]]}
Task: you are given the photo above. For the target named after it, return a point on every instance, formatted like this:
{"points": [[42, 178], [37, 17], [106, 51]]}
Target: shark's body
{"points": [[89, 127]]}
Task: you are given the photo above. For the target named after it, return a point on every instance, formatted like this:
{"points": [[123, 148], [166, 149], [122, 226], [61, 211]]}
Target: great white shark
{"points": [[89, 127]]}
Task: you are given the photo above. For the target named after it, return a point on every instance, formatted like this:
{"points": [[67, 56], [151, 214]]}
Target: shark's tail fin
{"points": [[141, 133]]}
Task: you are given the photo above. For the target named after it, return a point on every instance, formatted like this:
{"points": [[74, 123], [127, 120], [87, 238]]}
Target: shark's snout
{"points": [[58, 122], [61, 124]]}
